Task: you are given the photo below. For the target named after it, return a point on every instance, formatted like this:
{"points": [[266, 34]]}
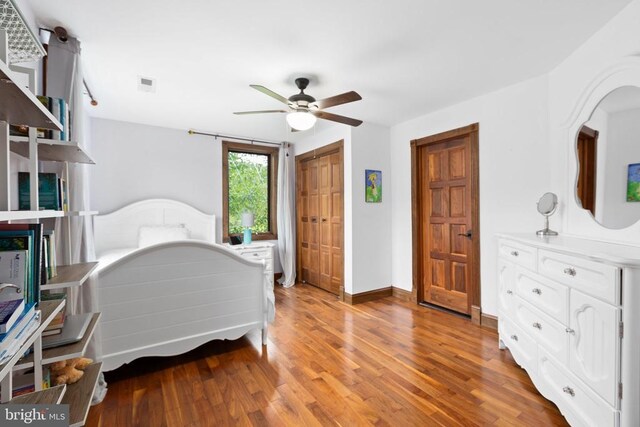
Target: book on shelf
{"points": [[12, 237], [48, 193], [21, 338], [60, 110], [14, 270], [24, 382], [57, 323], [50, 253], [10, 311], [8, 339]]}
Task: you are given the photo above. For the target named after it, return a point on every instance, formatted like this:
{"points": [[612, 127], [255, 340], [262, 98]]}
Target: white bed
{"points": [[168, 298]]}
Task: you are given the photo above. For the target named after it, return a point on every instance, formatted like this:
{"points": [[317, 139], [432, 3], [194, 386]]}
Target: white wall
{"points": [[514, 172], [623, 148], [372, 224]]}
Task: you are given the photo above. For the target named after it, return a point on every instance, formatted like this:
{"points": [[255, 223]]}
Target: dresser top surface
{"points": [[252, 245], [625, 255]]}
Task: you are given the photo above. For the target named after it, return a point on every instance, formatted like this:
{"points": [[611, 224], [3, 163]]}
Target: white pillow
{"points": [[153, 234]]}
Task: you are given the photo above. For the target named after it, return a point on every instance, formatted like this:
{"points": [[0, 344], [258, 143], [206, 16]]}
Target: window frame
{"points": [[272, 152]]}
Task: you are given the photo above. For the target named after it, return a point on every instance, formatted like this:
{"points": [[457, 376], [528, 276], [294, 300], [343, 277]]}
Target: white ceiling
{"points": [[405, 57], [622, 99]]}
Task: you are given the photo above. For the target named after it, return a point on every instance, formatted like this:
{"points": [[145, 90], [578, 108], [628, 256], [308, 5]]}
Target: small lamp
{"points": [[247, 223]]}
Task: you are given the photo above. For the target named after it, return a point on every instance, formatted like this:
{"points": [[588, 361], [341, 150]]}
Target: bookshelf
{"points": [[19, 106], [51, 150], [70, 276]]}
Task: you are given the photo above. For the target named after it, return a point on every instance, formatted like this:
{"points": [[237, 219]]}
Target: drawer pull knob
{"points": [[570, 331], [537, 325], [569, 391], [514, 337], [515, 253], [509, 292], [570, 271], [255, 254], [537, 291]]}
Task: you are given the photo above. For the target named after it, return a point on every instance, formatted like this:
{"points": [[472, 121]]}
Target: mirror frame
{"points": [[576, 219]]}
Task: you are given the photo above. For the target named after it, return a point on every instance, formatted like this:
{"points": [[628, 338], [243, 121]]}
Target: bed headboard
{"points": [[119, 229]]}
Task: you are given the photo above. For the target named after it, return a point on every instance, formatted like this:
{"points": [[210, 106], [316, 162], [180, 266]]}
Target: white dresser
{"points": [[258, 251], [569, 312]]}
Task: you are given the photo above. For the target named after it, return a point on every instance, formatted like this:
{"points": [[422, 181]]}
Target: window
{"points": [[249, 179]]}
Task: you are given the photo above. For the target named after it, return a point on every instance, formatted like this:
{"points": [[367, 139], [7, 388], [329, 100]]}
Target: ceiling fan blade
{"points": [[260, 112], [271, 93], [336, 118], [343, 98]]}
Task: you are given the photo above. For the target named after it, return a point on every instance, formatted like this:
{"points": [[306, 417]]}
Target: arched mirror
{"points": [[608, 149]]}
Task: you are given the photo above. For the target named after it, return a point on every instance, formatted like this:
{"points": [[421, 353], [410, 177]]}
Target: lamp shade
{"points": [[247, 219], [301, 120]]}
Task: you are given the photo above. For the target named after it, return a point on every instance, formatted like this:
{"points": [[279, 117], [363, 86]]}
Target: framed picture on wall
{"points": [[373, 186], [633, 183]]}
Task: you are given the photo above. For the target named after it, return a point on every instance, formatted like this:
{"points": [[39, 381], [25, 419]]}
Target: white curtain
{"points": [[286, 216], [65, 80]]}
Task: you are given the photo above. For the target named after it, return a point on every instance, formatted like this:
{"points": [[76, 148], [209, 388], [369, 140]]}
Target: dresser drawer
{"points": [[506, 286], [547, 295], [543, 329], [519, 254], [522, 347], [599, 280], [576, 401]]}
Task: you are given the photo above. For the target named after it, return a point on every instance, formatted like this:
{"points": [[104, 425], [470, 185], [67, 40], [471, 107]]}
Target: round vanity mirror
{"points": [[608, 151], [547, 205]]}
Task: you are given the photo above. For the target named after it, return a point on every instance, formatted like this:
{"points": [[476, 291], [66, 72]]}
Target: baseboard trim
{"points": [[353, 299], [402, 294], [489, 321]]}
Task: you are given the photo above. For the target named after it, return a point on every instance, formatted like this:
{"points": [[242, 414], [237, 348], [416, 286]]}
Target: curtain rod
{"points": [[218, 135]]}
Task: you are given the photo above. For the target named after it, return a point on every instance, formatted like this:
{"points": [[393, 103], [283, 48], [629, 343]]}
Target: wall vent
{"points": [[146, 84]]}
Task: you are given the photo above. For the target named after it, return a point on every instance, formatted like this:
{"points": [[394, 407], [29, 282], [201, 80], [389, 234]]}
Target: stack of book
{"points": [[24, 382], [56, 325], [27, 260], [22, 329], [52, 192]]}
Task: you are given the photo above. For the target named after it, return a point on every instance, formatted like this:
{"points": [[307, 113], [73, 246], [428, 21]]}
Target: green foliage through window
{"points": [[248, 190]]}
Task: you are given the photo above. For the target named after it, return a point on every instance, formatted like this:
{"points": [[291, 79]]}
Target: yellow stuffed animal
{"points": [[68, 371]]}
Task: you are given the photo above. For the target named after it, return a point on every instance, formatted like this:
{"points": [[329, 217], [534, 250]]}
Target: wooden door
{"points": [[587, 147], [320, 218], [446, 219], [308, 211]]}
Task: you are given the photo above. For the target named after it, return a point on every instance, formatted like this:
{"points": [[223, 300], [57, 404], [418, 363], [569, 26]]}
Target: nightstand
{"points": [[257, 251]]}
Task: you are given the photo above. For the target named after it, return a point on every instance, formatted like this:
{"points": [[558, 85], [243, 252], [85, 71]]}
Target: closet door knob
{"points": [[324, 219], [570, 271], [515, 253], [537, 291], [569, 391], [537, 325], [514, 337], [570, 331], [509, 292]]}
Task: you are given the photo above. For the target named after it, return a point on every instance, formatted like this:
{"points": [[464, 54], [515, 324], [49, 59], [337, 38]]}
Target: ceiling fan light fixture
{"points": [[301, 120]]}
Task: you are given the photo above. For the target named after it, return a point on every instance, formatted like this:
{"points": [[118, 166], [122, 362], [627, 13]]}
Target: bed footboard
{"points": [[170, 298]]}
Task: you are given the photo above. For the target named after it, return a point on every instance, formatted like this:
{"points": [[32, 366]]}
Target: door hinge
{"points": [[620, 390], [621, 329]]}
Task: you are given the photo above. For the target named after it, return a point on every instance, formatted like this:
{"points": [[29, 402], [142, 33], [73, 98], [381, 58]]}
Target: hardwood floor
{"points": [[385, 362]]}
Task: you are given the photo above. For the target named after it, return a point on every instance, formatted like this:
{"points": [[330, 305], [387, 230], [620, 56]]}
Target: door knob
{"points": [[468, 234], [324, 219]]}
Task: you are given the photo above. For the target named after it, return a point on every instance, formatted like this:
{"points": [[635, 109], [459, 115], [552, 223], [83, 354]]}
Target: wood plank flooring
{"points": [[383, 363]]}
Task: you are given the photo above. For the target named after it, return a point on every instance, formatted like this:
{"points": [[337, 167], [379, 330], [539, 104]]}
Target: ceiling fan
{"points": [[304, 109]]}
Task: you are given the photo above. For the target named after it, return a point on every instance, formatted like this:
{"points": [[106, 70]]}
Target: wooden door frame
{"points": [[416, 205], [336, 147]]}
